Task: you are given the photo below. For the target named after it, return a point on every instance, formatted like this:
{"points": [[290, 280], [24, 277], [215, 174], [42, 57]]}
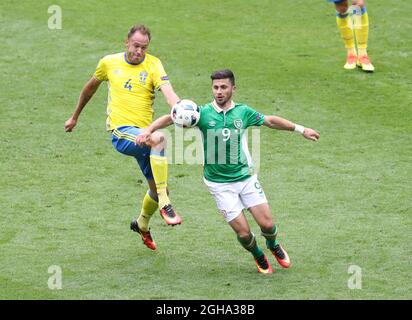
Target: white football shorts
{"points": [[232, 197]]}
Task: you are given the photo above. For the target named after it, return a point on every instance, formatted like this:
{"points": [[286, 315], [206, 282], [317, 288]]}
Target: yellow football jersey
{"points": [[131, 89]]}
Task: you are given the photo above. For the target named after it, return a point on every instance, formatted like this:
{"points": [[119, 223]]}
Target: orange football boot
{"points": [[169, 215], [146, 236], [365, 63], [281, 256], [263, 265]]}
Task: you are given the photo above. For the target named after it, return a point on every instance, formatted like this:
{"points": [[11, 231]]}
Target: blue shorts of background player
{"points": [[123, 140]]}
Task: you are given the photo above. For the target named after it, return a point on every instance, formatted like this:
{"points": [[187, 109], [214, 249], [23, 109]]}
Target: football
{"points": [[185, 113]]}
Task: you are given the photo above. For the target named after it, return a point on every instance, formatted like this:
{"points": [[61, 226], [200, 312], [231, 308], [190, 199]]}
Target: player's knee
{"points": [[267, 227], [244, 235], [158, 139]]}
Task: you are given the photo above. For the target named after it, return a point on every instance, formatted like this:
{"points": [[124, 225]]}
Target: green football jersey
{"points": [[226, 154]]}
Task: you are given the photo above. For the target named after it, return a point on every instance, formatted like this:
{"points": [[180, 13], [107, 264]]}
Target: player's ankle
{"points": [[351, 52], [362, 52], [163, 199]]}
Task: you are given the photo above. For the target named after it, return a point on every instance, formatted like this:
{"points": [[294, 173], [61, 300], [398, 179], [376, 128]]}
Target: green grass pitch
{"points": [[67, 199]]}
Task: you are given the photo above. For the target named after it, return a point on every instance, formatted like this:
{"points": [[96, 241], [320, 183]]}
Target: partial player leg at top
{"points": [[353, 24]]}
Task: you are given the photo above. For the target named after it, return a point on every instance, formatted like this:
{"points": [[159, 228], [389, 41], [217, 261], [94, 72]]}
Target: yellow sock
{"points": [[343, 22], [159, 169], [149, 207], [362, 33]]}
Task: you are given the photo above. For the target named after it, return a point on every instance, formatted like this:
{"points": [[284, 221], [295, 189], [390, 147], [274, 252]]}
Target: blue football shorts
{"points": [[335, 1], [123, 141]]}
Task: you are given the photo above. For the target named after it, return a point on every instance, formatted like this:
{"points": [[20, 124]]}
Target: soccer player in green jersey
{"points": [[356, 56], [228, 168]]}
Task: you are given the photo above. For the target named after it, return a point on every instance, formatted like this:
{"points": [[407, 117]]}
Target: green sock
{"points": [[250, 245], [270, 236]]}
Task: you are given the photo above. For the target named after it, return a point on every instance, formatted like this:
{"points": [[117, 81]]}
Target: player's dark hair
{"points": [[223, 74], [141, 28]]}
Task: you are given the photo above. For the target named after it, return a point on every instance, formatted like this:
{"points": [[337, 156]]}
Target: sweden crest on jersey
{"points": [[143, 77]]}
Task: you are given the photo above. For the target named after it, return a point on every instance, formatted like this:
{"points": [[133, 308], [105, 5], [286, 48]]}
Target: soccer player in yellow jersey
{"points": [[360, 56], [133, 76]]}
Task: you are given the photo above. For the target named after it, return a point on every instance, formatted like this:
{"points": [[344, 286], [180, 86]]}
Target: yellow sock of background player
{"points": [[344, 26], [362, 34], [343, 22]]}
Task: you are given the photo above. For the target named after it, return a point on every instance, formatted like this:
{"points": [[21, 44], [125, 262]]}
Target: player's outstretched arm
{"points": [[160, 123], [279, 123], [170, 95], [87, 92]]}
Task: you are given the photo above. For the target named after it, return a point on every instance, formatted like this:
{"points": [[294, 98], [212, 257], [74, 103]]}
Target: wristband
{"points": [[299, 128]]}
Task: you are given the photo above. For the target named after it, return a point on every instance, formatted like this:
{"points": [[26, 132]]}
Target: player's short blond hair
{"points": [[141, 28]]}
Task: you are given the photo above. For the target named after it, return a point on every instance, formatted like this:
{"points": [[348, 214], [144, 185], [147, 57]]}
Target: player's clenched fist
{"points": [[69, 125]]}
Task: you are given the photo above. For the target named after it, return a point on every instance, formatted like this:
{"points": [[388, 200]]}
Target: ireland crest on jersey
{"points": [[238, 123]]}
